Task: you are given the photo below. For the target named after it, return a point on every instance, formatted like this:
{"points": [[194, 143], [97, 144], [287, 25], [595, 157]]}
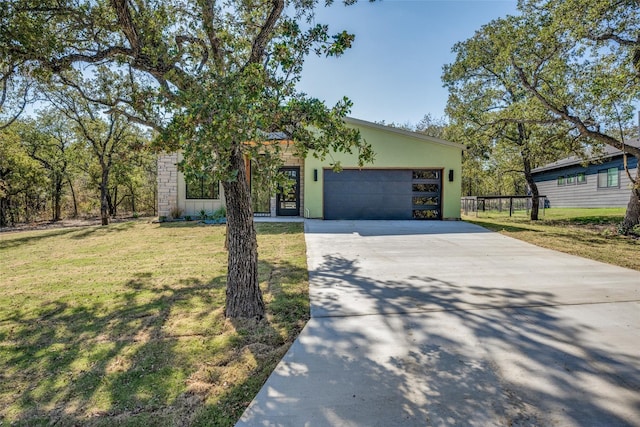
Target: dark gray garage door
{"points": [[383, 194]]}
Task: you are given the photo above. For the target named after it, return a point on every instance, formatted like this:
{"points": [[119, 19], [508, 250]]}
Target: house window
{"points": [[608, 178], [203, 187], [581, 178], [561, 180], [571, 179]]}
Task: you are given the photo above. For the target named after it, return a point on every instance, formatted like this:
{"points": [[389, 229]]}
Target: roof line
{"points": [[417, 135], [609, 152]]}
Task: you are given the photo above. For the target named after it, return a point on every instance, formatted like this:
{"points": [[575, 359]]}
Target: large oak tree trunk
{"points": [[4, 211], [104, 197], [244, 298], [632, 215], [57, 198], [535, 201], [73, 196], [535, 194]]}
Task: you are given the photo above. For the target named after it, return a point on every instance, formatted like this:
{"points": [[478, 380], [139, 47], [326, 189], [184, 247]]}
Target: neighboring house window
{"points": [[581, 178], [608, 178], [202, 188], [561, 180], [571, 179]]}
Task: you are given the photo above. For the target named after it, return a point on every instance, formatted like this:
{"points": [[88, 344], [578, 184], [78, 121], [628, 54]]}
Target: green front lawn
{"points": [[589, 233], [124, 325]]}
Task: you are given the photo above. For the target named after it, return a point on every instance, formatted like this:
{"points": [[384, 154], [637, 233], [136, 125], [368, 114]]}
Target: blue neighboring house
{"points": [[603, 182]]}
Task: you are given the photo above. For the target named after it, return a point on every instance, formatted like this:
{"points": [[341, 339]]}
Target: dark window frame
{"points": [[202, 183]]}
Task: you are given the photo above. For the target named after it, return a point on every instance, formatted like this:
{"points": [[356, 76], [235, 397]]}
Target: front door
{"points": [[288, 204]]}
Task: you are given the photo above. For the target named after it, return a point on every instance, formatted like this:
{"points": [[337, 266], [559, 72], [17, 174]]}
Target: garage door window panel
{"points": [[426, 198], [426, 214], [426, 174], [426, 188]]}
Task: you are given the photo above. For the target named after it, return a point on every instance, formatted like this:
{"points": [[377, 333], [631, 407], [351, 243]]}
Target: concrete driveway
{"points": [[445, 323]]}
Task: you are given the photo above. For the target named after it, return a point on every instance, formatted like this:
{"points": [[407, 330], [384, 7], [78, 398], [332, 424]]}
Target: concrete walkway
{"points": [[445, 323]]}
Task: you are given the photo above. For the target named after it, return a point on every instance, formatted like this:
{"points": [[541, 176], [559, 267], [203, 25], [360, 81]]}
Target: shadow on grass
{"points": [[279, 228], [263, 228], [25, 237], [587, 220], [288, 312], [130, 361], [496, 226], [18, 238], [67, 357], [104, 229]]}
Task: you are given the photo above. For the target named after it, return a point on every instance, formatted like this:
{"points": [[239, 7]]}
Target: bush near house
{"points": [[124, 325]]}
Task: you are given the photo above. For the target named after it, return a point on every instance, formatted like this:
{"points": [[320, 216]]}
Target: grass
{"points": [[123, 325], [589, 233]]}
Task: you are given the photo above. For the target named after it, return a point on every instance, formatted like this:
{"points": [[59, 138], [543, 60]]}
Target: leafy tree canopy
{"points": [[222, 69], [564, 74], [217, 78]]}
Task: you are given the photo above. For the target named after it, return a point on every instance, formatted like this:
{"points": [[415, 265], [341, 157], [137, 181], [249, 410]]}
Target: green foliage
{"points": [[113, 148], [219, 213], [242, 112], [560, 78], [507, 131], [597, 24], [66, 167], [626, 230], [22, 180], [223, 76]]}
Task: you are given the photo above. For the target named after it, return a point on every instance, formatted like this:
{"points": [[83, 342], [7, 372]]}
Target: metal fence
{"points": [[502, 205]]}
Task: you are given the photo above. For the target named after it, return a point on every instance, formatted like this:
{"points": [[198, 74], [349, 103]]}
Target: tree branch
{"points": [[135, 119], [260, 42], [23, 102], [208, 16], [579, 124], [125, 20], [64, 62], [194, 40], [610, 35]]}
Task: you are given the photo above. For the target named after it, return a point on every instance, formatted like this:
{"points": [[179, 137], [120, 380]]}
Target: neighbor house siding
{"points": [[587, 194]]}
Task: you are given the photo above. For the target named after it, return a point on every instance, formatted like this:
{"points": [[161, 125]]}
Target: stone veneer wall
{"points": [[167, 183]]}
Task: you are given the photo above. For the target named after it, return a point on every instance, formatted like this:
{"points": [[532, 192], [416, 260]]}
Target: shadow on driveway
{"points": [[396, 340]]}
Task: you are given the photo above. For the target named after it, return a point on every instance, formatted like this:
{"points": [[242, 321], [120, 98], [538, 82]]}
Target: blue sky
{"points": [[393, 71]]}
